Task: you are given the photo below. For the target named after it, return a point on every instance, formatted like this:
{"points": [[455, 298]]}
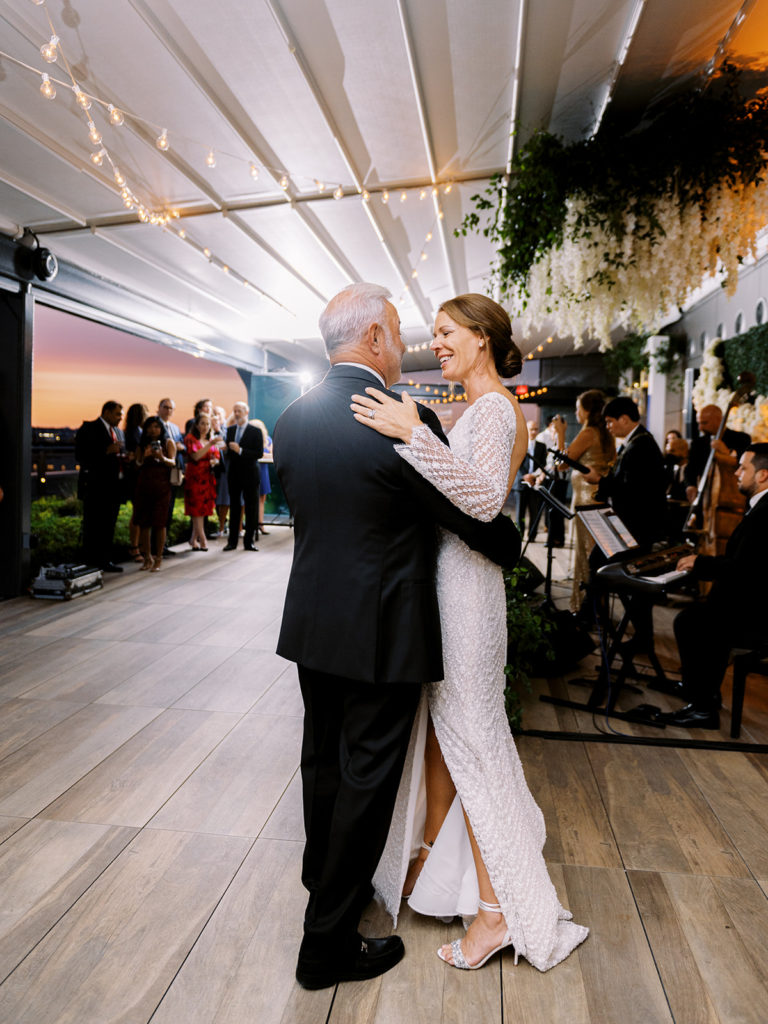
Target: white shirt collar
{"points": [[756, 497], [362, 366], [108, 427], [631, 434]]}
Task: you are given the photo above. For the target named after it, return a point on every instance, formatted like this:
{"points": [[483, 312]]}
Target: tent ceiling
{"points": [[391, 94]]}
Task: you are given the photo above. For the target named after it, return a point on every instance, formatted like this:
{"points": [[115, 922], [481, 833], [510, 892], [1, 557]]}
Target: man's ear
{"points": [[371, 338]]}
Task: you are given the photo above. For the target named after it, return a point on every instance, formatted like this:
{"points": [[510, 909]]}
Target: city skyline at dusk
{"points": [[79, 364]]}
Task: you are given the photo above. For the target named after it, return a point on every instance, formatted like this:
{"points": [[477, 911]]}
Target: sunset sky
{"points": [[78, 365]]}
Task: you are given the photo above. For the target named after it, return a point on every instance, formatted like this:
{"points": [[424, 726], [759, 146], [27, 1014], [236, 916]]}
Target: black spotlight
{"points": [[32, 259]]}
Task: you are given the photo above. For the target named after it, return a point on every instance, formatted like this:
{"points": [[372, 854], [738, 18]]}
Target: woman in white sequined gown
{"points": [[486, 861]]}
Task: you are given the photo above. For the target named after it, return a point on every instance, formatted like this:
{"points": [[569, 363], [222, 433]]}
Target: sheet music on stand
{"points": [[608, 531]]}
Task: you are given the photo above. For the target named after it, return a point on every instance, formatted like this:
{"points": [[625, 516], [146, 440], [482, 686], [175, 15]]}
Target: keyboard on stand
{"points": [[660, 566]]}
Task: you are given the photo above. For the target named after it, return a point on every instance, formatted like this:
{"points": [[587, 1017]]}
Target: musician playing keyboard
{"points": [[735, 612], [636, 490]]}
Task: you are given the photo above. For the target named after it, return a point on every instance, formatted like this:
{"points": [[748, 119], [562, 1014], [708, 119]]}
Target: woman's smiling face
{"points": [[458, 349]]}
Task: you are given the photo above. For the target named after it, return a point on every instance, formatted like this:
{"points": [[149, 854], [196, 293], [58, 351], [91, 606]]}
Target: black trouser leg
{"points": [[703, 640], [355, 740], [250, 491]]}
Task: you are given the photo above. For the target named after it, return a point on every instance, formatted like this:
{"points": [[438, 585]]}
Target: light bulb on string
{"points": [[320, 185], [93, 133], [182, 233], [423, 194], [207, 253], [211, 158], [143, 215], [97, 158], [82, 99], [403, 196], [161, 141], [423, 257], [414, 273], [366, 195], [440, 215], [284, 182], [49, 51], [128, 202], [116, 116], [448, 188], [385, 197], [429, 237], [338, 193], [47, 88], [435, 191], [254, 171]]}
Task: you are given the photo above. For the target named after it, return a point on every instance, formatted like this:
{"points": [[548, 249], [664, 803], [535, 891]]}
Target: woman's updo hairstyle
{"points": [[487, 318]]}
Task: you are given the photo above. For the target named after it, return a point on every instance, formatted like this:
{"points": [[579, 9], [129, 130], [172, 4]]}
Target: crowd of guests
{"points": [[219, 462]]}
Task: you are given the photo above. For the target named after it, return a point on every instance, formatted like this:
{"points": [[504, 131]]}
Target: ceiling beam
{"points": [[295, 50]]}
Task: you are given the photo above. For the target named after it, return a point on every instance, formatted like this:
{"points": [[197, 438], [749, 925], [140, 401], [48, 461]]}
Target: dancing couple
{"points": [[409, 789]]}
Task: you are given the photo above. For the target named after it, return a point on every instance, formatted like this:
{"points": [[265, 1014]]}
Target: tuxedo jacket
{"points": [[740, 576], [361, 601], [97, 468], [246, 463], [636, 488]]}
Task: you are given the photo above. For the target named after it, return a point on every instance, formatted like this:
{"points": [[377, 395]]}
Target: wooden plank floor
{"points": [[151, 838]]}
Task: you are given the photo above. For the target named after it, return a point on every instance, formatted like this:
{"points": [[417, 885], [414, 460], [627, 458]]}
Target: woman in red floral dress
{"points": [[199, 481]]}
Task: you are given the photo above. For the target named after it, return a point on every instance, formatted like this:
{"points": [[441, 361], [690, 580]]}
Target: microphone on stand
{"points": [[562, 457]]}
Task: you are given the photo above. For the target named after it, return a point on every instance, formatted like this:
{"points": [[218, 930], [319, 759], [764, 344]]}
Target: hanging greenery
{"points": [[615, 231]]}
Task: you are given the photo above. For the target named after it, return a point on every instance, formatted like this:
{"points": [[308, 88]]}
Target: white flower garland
{"points": [[752, 419], [579, 287]]}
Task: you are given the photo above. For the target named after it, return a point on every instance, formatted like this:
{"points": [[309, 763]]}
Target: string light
{"points": [[448, 187], [284, 182], [385, 197], [162, 143], [366, 195], [81, 97], [320, 186], [98, 158], [403, 196], [207, 253], [116, 116], [338, 193], [211, 158], [429, 237], [423, 194], [120, 180], [49, 51], [48, 89], [254, 171], [423, 257], [93, 133]]}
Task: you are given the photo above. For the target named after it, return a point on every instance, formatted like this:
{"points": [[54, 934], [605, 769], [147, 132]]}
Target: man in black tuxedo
{"points": [[734, 612], [528, 499], [636, 490], [245, 446], [99, 445], [361, 620]]}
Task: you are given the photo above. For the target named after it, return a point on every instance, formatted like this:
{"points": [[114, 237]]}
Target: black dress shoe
{"points": [[230, 547], [250, 547], [672, 687], [374, 957], [111, 567], [167, 553], [690, 717]]}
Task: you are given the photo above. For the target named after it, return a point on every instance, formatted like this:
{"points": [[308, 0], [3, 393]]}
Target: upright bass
{"points": [[718, 506]]}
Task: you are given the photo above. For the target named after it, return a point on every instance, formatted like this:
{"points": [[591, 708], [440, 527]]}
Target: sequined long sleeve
{"points": [[478, 485]]}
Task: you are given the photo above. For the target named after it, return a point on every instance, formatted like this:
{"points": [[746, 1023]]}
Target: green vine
{"points": [[698, 140], [528, 642], [748, 351], [630, 357]]}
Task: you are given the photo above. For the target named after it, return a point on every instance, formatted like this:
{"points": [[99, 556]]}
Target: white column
{"points": [[657, 393]]}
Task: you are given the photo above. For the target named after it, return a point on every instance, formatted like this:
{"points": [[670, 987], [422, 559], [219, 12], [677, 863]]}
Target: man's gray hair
{"points": [[349, 314]]}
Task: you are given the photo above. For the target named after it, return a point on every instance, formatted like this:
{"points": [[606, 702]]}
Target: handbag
{"points": [[177, 476]]}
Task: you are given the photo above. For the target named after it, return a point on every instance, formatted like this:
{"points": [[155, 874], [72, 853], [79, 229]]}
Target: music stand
{"points": [[613, 538], [545, 493]]}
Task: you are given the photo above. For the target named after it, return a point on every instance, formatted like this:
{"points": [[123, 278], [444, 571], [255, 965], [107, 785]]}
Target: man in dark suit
{"points": [[245, 446], [735, 611], [636, 490], [636, 486], [361, 620], [99, 444], [528, 499]]}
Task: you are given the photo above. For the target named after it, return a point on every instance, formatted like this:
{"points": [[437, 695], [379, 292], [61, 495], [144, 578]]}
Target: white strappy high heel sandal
{"points": [[460, 961]]}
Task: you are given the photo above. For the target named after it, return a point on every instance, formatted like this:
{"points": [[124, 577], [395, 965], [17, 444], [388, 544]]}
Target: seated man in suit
{"points": [[245, 446], [734, 612], [98, 447]]}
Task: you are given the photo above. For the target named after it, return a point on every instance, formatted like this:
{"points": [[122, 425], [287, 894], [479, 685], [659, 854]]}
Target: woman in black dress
{"points": [[155, 457], [134, 421]]}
